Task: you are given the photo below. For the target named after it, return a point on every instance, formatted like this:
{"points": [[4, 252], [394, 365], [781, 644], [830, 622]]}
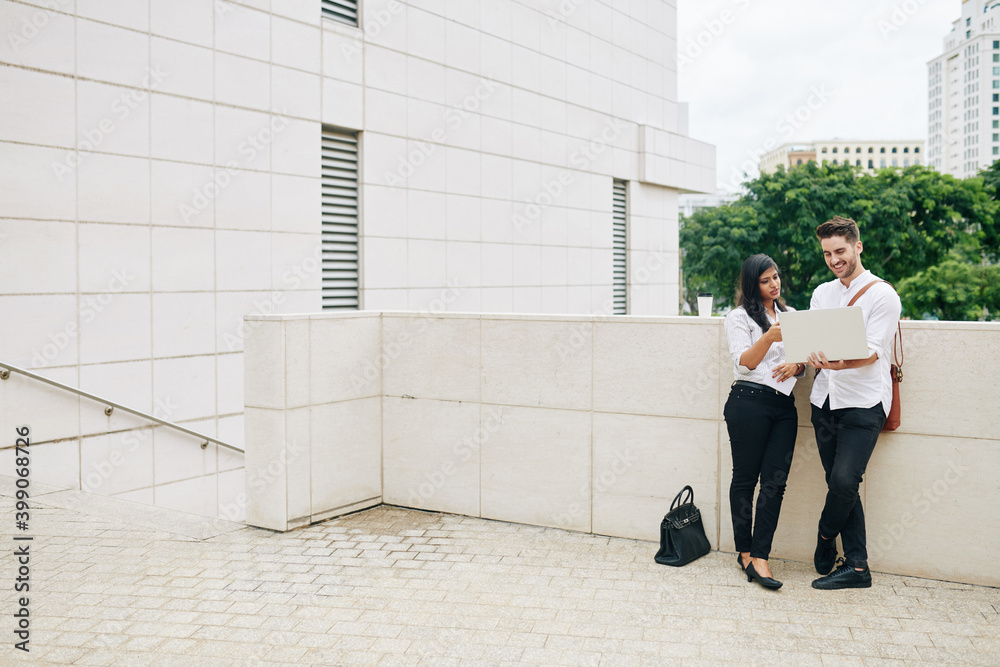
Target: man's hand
{"points": [[819, 360]]}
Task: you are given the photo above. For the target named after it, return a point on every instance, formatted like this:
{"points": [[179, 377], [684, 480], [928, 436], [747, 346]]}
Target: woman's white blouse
{"points": [[742, 332]]}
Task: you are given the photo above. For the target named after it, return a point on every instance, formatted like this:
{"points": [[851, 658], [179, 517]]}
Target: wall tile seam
{"points": [[588, 139], [151, 91], [134, 156], [150, 33], [589, 33], [481, 75]]}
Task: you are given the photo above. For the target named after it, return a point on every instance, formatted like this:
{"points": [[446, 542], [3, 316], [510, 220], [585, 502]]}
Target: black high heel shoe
{"points": [[739, 561], [766, 582]]}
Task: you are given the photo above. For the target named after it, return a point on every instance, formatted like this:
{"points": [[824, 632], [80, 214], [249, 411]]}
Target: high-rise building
{"points": [[963, 111]]}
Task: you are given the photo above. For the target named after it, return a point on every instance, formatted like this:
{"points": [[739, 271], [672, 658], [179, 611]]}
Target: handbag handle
{"points": [[677, 498]]}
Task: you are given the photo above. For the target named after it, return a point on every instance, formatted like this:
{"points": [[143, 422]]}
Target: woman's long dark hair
{"points": [[748, 291]]}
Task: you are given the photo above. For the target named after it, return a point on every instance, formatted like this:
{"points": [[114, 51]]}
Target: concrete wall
{"points": [[593, 424], [160, 178]]}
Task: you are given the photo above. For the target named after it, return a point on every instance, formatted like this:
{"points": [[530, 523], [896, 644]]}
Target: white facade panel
{"points": [[160, 178]]}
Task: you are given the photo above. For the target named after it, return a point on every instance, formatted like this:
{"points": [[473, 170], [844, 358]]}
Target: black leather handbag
{"points": [[682, 535]]}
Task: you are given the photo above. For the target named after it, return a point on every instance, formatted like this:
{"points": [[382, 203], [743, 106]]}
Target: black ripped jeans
{"points": [[762, 427], [846, 439]]}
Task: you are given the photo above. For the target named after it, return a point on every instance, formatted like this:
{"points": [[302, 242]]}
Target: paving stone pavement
{"points": [[115, 583]]}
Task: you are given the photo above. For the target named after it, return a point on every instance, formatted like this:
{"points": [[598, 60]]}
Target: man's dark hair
{"points": [[839, 226]]}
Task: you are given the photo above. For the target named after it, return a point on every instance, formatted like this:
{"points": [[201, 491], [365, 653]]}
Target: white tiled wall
{"points": [[159, 180], [593, 424]]}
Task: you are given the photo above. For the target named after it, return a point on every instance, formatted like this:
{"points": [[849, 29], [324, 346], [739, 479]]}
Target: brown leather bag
{"points": [[895, 369]]}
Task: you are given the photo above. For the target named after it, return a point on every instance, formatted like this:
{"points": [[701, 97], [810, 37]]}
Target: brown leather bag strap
{"points": [[868, 287], [898, 358]]}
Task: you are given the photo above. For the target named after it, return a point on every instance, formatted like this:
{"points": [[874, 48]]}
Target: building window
{"points": [[996, 57], [893, 149], [906, 162], [882, 150], [996, 83], [834, 149], [798, 162], [858, 149], [619, 209], [916, 161], [339, 219], [871, 164], [968, 34], [871, 150], [996, 111], [996, 150], [835, 162], [345, 11], [996, 97], [894, 163], [881, 163], [824, 149], [996, 43], [906, 149], [996, 124], [857, 163]]}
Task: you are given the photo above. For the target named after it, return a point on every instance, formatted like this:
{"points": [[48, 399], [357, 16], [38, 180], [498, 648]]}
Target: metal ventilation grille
{"points": [[339, 169], [345, 11], [620, 274]]}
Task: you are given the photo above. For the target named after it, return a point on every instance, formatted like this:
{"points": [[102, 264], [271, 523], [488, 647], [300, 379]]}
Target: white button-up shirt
{"points": [[869, 385], [741, 333]]}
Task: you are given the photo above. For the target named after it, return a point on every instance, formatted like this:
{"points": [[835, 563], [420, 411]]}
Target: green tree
{"points": [[953, 291], [909, 219]]}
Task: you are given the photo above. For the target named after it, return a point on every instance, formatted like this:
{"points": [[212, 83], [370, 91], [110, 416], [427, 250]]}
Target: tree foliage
{"points": [[953, 291], [910, 219]]}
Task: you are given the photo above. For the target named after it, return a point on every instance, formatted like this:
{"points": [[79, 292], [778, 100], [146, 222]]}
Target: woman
{"points": [[762, 422]]}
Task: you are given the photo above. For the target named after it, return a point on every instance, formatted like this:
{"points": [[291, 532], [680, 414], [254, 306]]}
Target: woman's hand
{"points": [[784, 371], [773, 334]]}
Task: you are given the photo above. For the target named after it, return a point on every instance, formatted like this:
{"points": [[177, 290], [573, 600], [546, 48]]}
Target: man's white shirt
{"points": [[869, 385]]}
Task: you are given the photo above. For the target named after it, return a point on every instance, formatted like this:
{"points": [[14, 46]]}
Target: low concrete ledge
{"points": [[593, 423]]}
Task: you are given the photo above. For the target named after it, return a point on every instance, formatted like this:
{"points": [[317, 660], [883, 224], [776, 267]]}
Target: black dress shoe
{"points": [[766, 582], [739, 561], [826, 554], [844, 576]]}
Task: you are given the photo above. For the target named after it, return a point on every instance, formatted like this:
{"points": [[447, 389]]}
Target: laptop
{"points": [[839, 333]]}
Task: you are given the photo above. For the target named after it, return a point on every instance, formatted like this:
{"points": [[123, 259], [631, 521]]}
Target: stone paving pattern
{"points": [[115, 583]]}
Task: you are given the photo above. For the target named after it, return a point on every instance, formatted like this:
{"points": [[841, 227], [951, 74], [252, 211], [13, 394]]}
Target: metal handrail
{"points": [[111, 405]]}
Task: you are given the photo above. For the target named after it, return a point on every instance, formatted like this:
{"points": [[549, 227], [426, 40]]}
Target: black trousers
{"points": [[846, 439], [762, 427]]}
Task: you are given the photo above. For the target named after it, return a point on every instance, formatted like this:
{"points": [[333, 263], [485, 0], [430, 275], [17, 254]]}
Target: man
{"points": [[850, 402]]}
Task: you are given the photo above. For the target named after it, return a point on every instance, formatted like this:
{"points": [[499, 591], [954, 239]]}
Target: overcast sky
{"points": [[862, 64]]}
